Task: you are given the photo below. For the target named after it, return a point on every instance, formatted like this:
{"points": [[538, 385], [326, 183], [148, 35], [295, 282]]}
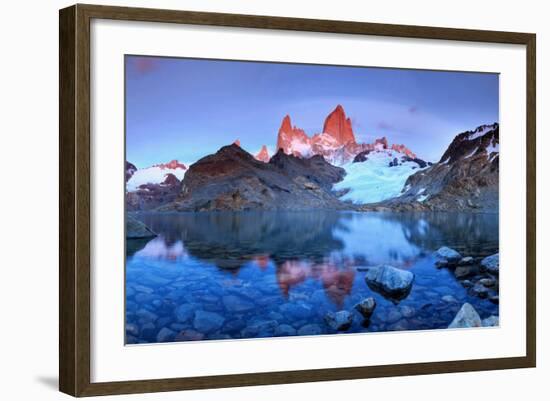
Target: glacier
{"points": [[374, 180]]}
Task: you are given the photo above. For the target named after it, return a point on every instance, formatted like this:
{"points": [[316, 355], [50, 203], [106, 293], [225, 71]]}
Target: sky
{"points": [[185, 109]]}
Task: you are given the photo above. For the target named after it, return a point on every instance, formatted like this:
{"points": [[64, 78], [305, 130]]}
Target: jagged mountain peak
{"points": [[171, 165], [338, 125], [263, 154], [483, 139], [336, 143]]}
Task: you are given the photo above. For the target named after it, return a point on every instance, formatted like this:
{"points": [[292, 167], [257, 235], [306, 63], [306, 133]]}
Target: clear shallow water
{"points": [[261, 274]]}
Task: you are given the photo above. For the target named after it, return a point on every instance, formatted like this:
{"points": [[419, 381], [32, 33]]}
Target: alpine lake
{"points": [[234, 275]]}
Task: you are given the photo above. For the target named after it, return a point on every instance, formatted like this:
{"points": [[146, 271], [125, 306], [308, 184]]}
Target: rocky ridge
{"points": [[232, 179]]}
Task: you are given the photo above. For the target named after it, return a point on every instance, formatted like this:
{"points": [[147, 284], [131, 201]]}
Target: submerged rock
{"points": [[491, 321], [135, 229], [340, 320], [189, 335], [260, 328], [468, 260], [467, 316], [206, 322], [184, 312], [296, 311], [479, 290], [467, 283], [132, 329], [165, 335], [407, 311], [237, 304], [488, 282], [393, 316], [491, 264], [366, 307], [310, 330], [389, 280], [285, 330], [462, 271], [448, 254], [449, 299]]}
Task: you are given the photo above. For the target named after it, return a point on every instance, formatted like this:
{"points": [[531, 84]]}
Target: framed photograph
{"points": [[249, 200]]}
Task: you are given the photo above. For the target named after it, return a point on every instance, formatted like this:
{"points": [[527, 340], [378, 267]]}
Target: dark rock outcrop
{"points": [[135, 229], [232, 179], [361, 156], [130, 169]]}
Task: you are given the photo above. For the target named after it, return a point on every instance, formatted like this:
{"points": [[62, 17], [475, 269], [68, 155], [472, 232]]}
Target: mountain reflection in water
{"points": [[275, 269]]}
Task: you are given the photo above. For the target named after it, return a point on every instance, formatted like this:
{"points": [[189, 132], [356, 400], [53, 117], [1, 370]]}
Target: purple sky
{"points": [[187, 108]]}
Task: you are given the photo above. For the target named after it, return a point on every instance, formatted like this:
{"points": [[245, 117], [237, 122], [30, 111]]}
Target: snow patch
{"points": [[301, 147], [472, 153], [492, 148], [480, 131], [152, 175], [422, 198]]}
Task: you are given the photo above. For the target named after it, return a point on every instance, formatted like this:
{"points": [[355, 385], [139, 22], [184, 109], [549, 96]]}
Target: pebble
{"points": [[285, 330], [310, 330], [340, 320], [165, 335], [366, 307], [449, 299], [206, 322]]}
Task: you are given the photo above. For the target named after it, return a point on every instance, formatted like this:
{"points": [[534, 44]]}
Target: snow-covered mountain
{"points": [[155, 174], [337, 143], [375, 171]]}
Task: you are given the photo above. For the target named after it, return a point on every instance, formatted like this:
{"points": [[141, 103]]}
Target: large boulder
{"points": [[339, 320], [448, 254], [467, 316], [491, 264], [389, 280]]}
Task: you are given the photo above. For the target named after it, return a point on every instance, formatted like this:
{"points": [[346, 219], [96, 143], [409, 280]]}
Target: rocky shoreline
{"points": [[229, 312], [480, 276]]}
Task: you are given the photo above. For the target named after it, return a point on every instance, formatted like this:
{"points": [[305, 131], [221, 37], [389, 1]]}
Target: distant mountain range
{"points": [[337, 143], [328, 170]]}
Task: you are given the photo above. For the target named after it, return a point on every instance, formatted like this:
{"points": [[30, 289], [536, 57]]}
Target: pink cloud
{"points": [[144, 65], [385, 126]]}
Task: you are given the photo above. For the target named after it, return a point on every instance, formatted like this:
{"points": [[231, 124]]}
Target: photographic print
{"points": [[268, 199]]}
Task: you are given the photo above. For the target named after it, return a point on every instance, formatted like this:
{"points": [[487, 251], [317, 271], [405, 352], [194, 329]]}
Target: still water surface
{"points": [[229, 275]]}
